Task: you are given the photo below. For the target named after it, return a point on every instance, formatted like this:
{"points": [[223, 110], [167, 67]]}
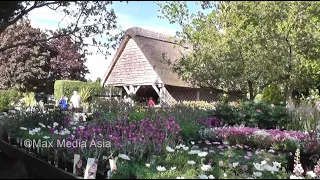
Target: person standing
{"points": [[151, 102], [75, 100], [63, 103]]}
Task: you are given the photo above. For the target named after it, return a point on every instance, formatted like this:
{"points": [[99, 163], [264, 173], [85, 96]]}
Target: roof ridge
{"points": [[138, 31]]}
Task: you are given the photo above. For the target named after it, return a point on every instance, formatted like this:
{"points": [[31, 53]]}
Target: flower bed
{"points": [[146, 144], [99, 141]]}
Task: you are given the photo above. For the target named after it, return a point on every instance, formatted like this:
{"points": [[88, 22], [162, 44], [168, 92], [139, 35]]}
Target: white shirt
{"points": [[75, 100]]}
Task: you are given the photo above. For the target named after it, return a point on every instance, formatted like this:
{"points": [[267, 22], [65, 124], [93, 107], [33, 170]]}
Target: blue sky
{"points": [[142, 14]]}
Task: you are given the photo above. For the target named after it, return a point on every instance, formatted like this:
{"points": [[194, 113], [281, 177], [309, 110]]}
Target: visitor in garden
{"points": [[151, 102], [63, 103], [75, 100]]}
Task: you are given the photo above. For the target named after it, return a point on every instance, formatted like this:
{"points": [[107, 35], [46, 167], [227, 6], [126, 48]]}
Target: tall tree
{"points": [[35, 67], [89, 18], [249, 45]]}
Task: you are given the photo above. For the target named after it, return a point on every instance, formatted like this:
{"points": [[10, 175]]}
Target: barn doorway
{"points": [[145, 92]]}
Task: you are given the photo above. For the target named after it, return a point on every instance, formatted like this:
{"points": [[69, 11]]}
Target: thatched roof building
{"points": [[140, 64]]}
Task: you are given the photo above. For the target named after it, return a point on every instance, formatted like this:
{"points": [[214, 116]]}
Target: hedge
{"points": [[6, 97], [66, 88]]}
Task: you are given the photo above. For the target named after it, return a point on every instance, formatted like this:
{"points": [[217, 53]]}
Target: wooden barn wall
{"points": [[132, 67], [179, 94]]}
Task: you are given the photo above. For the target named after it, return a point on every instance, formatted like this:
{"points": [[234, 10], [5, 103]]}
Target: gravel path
{"points": [[11, 169]]}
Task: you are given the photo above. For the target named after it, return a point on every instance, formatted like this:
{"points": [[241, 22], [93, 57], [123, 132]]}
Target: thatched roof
{"points": [[158, 49]]}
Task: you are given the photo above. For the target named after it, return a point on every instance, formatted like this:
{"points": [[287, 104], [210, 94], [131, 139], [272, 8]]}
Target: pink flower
{"points": [[298, 170], [249, 153], [246, 157], [258, 111], [317, 168], [79, 164]]}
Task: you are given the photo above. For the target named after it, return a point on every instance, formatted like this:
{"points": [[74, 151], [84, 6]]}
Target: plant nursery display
{"points": [[182, 141]]}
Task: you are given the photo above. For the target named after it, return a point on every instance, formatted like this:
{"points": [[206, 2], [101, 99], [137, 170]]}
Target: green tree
{"points": [[248, 45]]}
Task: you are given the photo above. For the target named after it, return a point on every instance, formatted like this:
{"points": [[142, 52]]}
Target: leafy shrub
{"points": [[198, 104], [29, 99], [8, 97], [66, 88], [227, 113], [252, 114], [273, 94]]}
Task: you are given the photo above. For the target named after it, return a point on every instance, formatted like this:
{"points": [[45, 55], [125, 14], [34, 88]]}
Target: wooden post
{"points": [[198, 94], [120, 93]]}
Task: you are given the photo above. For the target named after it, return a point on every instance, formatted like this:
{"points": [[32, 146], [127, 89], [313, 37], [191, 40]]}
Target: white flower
{"points": [[270, 168], [206, 167], [179, 146], [173, 168], [203, 176], [192, 142], [195, 147], [186, 148], [225, 143], [263, 162], [191, 162], [180, 177], [194, 152], [125, 157], [46, 137], [312, 174], [161, 168], [23, 128], [295, 177], [74, 128], [257, 174], [224, 175], [220, 163], [42, 125], [49, 127], [276, 164], [148, 165], [258, 166], [202, 154], [235, 164], [271, 151], [55, 124], [211, 177], [56, 132], [169, 149]]}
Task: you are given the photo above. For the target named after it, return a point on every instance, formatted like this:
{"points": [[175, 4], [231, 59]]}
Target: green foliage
{"points": [[8, 97], [29, 99], [248, 45], [32, 119], [253, 114], [85, 93], [66, 88], [273, 94]]}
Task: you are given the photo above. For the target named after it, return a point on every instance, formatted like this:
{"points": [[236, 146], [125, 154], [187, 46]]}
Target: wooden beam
{"points": [[127, 90], [198, 95], [136, 89], [131, 89], [164, 94], [156, 89]]}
